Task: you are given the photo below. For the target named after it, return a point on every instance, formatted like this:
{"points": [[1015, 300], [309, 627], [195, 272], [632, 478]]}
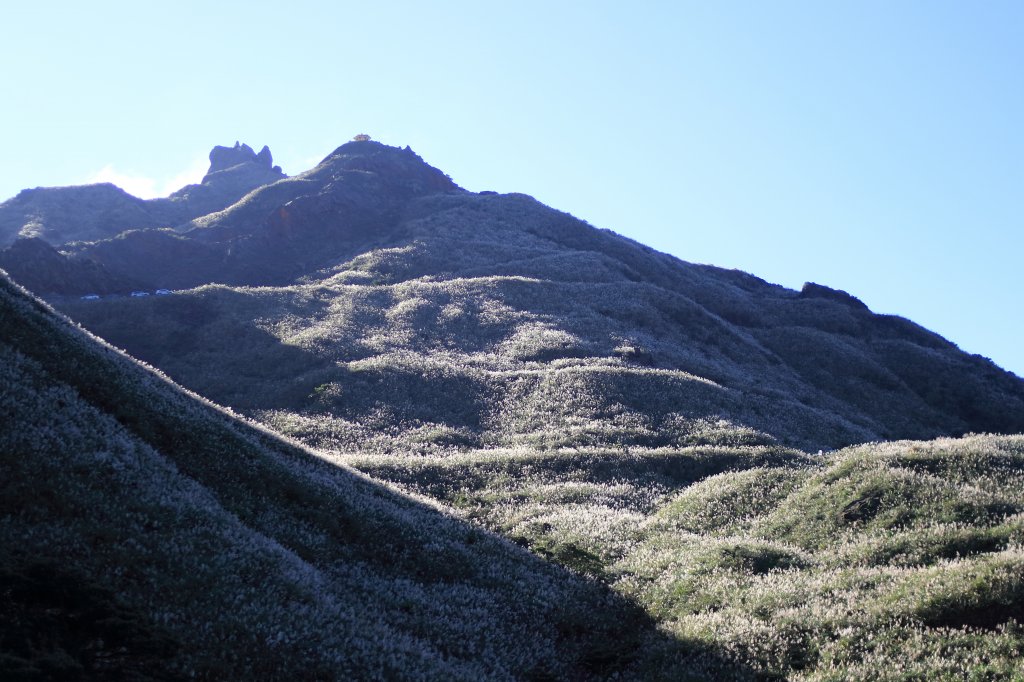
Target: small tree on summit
{"points": [[361, 137]]}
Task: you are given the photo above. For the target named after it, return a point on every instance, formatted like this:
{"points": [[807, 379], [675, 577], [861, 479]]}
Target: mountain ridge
{"points": [[815, 368], [59, 215]]}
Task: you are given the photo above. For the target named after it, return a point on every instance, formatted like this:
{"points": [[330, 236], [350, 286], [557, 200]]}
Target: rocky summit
{"points": [[468, 436], [224, 158]]}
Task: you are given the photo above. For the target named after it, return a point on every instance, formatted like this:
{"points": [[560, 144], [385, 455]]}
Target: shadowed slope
{"points": [[221, 550]]}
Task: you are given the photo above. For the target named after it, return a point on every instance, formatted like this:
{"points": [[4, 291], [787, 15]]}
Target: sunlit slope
{"points": [[145, 532], [495, 321], [885, 561]]}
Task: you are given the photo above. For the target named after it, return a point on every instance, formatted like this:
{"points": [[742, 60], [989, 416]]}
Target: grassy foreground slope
{"points": [[895, 561], [146, 533]]}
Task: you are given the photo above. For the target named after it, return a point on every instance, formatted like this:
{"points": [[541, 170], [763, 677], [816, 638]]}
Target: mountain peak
{"points": [[362, 145], [400, 165], [223, 158]]}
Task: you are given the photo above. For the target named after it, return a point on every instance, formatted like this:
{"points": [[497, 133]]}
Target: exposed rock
{"points": [[222, 158], [234, 172], [264, 158]]}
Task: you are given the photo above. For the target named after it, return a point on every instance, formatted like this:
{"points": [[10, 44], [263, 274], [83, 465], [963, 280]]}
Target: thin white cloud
{"points": [[191, 175], [146, 187], [138, 185], [311, 162]]}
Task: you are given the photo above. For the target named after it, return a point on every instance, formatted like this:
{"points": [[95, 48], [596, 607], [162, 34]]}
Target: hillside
{"points": [[392, 297], [146, 533], [720, 476]]}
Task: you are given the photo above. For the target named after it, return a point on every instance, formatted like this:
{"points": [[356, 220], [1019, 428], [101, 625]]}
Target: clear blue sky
{"points": [[876, 147]]}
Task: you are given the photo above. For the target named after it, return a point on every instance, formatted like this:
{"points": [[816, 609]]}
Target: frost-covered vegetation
{"points": [[883, 561], [145, 532], [503, 323], [692, 457]]}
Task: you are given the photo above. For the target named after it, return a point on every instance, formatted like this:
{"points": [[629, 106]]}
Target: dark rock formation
{"points": [[233, 173], [264, 158], [222, 158]]}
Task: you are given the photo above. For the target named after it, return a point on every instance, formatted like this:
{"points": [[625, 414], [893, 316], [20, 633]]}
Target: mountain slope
{"points": [[146, 533], [347, 204], [41, 267], [427, 305], [885, 561], [651, 424]]}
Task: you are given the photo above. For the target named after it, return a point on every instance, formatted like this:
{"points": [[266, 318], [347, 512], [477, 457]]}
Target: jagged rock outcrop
{"points": [[223, 158], [233, 173]]}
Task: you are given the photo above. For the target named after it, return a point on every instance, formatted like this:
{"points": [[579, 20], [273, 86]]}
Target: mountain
{"points": [[785, 483], [425, 306], [146, 533], [59, 215]]}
